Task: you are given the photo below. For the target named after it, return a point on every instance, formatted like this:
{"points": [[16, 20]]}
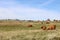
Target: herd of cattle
{"points": [[50, 27]]}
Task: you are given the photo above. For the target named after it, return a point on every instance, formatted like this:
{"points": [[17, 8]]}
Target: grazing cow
{"points": [[51, 27], [43, 27], [30, 25]]}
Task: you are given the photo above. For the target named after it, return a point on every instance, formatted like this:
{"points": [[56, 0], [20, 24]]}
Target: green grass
{"points": [[15, 30], [21, 26], [30, 35]]}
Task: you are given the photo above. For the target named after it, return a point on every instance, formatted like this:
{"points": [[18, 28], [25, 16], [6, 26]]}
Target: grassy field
{"points": [[18, 30]]}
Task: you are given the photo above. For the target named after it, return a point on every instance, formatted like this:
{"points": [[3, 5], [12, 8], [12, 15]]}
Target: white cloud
{"points": [[27, 13], [19, 11]]}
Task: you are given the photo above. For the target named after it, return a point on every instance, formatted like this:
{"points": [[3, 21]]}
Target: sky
{"points": [[30, 9]]}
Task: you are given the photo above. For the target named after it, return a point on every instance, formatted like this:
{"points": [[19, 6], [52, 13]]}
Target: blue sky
{"points": [[30, 9]]}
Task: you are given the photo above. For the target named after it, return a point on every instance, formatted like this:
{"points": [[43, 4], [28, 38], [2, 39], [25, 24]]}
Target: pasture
{"points": [[19, 30]]}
